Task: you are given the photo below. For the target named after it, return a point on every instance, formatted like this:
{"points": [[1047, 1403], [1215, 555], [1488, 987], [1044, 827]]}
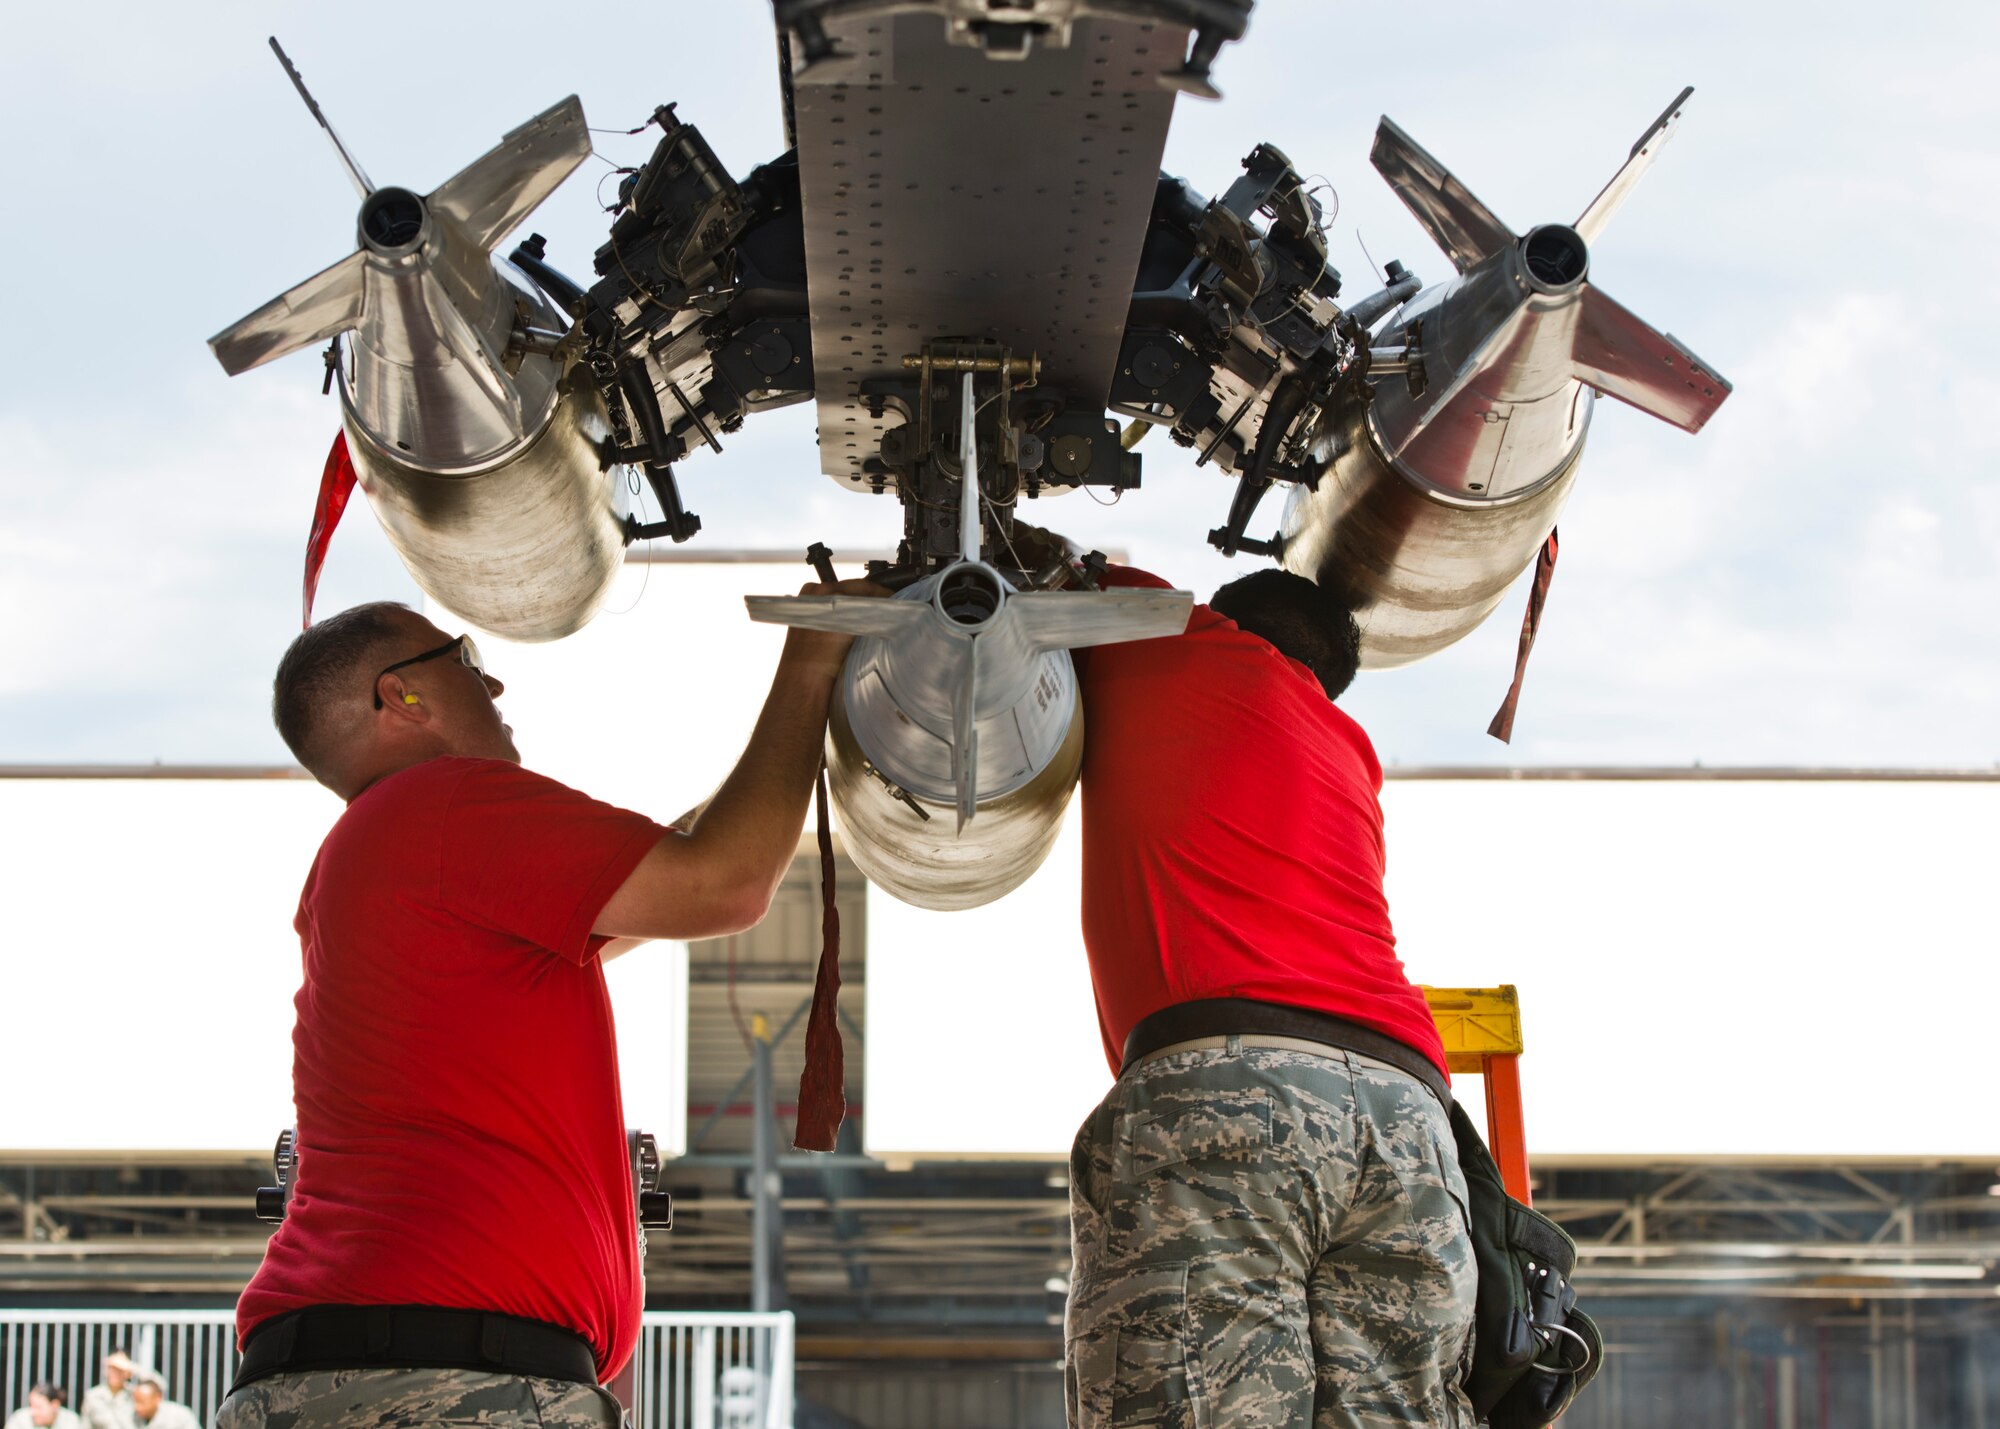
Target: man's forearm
{"points": [[719, 876], [752, 822]]}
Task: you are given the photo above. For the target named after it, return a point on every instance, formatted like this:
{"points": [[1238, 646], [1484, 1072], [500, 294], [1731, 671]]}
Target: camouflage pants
{"points": [[1268, 1237], [414, 1398]]}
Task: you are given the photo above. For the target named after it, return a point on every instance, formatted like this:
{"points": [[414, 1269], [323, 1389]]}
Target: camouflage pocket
{"points": [[1214, 1125], [1193, 1347], [1149, 1362], [1248, 1350], [1128, 1370]]}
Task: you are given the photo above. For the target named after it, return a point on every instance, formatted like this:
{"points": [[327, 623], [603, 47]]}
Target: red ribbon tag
{"points": [[822, 1091], [1502, 727], [336, 484]]}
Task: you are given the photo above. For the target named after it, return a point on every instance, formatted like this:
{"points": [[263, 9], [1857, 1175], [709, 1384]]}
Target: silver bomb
{"points": [[1436, 492], [474, 434], [956, 737]]}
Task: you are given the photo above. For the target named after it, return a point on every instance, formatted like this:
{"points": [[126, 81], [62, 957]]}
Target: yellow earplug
{"points": [[409, 699]]}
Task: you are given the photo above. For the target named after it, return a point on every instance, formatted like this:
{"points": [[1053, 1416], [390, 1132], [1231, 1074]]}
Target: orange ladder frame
{"points": [[1481, 1028]]}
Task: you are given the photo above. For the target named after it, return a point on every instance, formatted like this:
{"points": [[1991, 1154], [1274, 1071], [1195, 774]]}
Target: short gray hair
{"points": [[323, 666]]}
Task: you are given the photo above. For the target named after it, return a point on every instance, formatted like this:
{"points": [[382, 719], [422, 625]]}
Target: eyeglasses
{"points": [[468, 655]]}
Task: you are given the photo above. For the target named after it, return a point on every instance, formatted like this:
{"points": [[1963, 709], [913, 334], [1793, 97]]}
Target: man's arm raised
{"points": [[720, 875]]}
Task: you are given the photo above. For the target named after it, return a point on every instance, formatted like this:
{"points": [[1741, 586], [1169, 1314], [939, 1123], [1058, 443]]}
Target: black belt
{"points": [[414, 1337], [1224, 1016]]}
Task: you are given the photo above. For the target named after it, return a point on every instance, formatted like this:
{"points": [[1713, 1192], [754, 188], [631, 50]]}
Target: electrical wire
{"points": [[1325, 183], [1370, 257], [638, 489], [614, 172], [1005, 539]]}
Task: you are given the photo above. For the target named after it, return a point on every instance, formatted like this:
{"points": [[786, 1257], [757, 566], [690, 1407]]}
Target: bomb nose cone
{"points": [[393, 224], [1556, 257]]}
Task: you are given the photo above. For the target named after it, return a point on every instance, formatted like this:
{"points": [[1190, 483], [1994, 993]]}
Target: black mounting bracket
{"points": [[676, 523]]}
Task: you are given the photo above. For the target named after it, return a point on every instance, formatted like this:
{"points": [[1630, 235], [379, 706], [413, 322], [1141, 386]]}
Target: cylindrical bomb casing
{"points": [[485, 474], [1419, 566], [900, 719], [526, 547], [1430, 501], [956, 734], [924, 862], [904, 696]]}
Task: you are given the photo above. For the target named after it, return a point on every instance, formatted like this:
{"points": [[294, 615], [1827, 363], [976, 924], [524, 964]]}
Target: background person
{"points": [[1268, 1218], [109, 1405], [44, 1410], [151, 1409], [462, 1151]]}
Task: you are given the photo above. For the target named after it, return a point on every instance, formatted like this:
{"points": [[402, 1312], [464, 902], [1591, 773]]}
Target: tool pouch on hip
{"points": [[1533, 1350]]}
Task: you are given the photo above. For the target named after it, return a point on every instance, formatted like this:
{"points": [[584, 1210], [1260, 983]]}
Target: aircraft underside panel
{"points": [[947, 194]]}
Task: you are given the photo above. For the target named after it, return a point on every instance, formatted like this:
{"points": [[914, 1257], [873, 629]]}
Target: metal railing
{"points": [[193, 1350], [693, 1371], [715, 1371]]}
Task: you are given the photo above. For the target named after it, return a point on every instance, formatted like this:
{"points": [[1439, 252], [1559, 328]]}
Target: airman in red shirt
{"points": [[1268, 1217], [461, 1242]]}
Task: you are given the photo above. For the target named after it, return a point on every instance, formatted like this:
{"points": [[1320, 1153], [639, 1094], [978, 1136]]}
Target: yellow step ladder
{"points": [[1481, 1028]]}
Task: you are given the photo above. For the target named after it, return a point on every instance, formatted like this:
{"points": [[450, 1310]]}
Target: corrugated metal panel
{"points": [[902, 1396], [774, 967]]}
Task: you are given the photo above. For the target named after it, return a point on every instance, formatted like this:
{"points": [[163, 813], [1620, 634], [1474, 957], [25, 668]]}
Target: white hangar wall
{"points": [[648, 705], [148, 966], [1707, 967]]}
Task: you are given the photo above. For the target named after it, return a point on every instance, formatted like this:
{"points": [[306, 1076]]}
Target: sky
{"points": [[1812, 580]]}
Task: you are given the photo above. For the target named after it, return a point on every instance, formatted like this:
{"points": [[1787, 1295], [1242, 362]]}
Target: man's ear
{"points": [[401, 699]]}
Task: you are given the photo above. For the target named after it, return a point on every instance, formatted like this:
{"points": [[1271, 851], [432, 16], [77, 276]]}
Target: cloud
{"points": [[152, 567], [1812, 578]]}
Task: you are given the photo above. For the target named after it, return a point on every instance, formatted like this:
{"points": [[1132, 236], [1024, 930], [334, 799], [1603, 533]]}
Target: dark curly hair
{"points": [[1303, 620]]}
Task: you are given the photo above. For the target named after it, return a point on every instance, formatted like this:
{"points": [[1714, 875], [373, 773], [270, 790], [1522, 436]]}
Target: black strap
{"points": [[1224, 1016], [414, 1337]]}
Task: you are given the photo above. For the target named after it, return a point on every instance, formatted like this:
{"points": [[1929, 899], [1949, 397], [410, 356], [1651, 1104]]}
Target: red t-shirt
{"points": [[461, 1135], [1232, 836]]}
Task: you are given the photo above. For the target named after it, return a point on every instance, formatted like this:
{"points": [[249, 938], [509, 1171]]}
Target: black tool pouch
{"points": [[1533, 1350]]}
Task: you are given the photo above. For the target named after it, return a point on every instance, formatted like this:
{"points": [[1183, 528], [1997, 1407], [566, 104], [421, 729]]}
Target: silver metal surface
{"points": [[527, 547], [1502, 408], [488, 197], [363, 185], [474, 433], [1452, 214], [423, 369], [1419, 567], [949, 195], [1436, 492], [924, 862], [959, 694], [957, 733], [434, 373], [905, 681], [323, 305], [1591, 222]]}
